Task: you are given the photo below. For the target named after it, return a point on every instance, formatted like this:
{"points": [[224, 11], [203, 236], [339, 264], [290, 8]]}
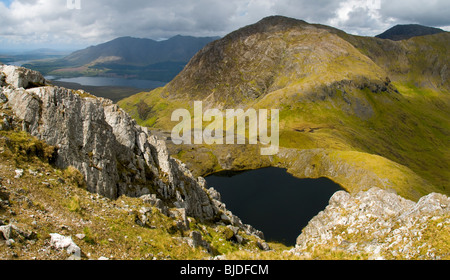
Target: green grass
{"points": [[74, 204], [52, 197], [410, 128], [159, 109], [407, 129], [394, 176], [338, 98]]}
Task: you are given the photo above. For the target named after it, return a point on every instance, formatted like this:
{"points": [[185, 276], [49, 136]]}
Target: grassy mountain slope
{"points": [[336, 92], [45, 200]]}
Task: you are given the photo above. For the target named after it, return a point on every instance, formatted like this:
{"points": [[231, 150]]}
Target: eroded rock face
{"points": [[115, 155], [376, 222]]}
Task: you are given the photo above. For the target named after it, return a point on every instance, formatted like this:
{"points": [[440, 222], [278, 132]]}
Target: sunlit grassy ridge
{"points": [[408, 127], [342, 93]]}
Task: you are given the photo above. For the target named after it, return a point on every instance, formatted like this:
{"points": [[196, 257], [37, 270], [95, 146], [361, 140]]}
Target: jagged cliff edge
{"points": [[115, 155]]}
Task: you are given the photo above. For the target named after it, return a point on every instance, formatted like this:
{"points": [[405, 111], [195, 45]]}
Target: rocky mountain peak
{"points": [[272, 54], [270, 24]]}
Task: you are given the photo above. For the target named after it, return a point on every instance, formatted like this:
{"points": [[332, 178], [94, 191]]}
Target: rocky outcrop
{"points": [[196, 241], [379, 224], [115, 155], [12, 232], [20, 77]]}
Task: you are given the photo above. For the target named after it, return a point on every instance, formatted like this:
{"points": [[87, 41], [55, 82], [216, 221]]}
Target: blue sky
{"points": [[28, 24], [6, 2]]}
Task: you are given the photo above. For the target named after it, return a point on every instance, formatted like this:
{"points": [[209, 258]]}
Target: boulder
{"points": [[5, 232], [196, 241], [19, 173], [181, 218], [12, 231], [61, 242], [155, 202], [232, 234], [143, 217], [263, 245], [19, 77]]}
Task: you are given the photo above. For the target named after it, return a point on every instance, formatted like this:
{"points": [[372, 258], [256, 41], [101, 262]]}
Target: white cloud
{"points": [[432, 12], [360, 17], [50, 22]]}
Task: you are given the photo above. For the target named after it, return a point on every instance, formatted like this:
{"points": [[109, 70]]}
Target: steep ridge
{"points": [[115, 155], [374, 103], [421, 61]]}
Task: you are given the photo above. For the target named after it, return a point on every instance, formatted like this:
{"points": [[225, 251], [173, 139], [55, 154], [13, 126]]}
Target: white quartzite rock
{"points": [[20, 77], [375, 221], [115, 155], [61, 242]]}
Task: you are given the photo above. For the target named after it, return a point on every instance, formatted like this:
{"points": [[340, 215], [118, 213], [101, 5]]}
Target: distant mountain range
{"points": [[407, 31], [141, 52], [17, 57], [127, 57]]}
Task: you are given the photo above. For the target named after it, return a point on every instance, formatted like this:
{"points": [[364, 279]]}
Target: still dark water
{"points": [[273, 201], [113, 82]]}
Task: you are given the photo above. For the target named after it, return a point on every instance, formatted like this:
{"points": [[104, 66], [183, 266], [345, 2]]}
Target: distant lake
{"points": [[273, 201], [101, 81], [18, 63], [113, 82]]}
